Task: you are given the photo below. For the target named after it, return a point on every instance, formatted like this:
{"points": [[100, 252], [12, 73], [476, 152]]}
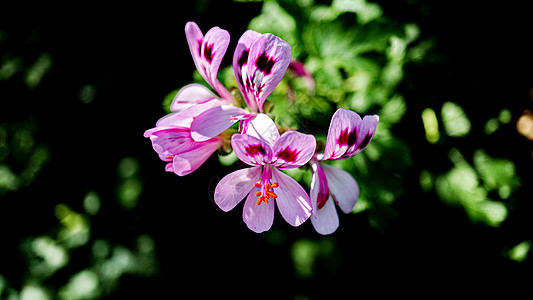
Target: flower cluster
{"points": [[200, 119]]}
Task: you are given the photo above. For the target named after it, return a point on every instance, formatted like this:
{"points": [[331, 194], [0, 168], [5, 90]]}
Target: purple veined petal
{"points": [[207, 52], [342, 187], [240, 59], [268, 59], [293, 149], [235, 186], [170, 140], [342, 133], [214, 121], [185, 117], [292, 200], [195, 39], [367, 129], [187, 162], [190, 95], [319, 186], [258, 218], [263, 127], [251, 150], [325, 220]]}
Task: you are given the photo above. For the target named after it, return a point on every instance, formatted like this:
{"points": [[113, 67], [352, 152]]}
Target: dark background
{"points": [[135, 55]]}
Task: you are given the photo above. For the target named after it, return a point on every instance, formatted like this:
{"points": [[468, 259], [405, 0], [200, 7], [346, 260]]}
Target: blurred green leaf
{"points": [[455, 120]]}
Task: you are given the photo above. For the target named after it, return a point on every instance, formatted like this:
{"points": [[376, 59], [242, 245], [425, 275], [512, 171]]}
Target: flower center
{"points": [[266, 187]]}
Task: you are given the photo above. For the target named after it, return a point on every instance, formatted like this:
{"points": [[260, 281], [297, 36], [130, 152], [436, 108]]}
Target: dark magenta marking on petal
{"points": [[253, 150], [208, 53], [199, 47], [347, 138], [365, 142], [265, 63], [288, 155], [244, 58], [322, 198]]}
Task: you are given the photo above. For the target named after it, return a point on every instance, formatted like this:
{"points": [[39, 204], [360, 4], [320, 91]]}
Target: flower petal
{"points": [[268, 59], [342, 186], [170, 140], [235, 186], [325, 220], [251, 150], [342, 133], [190, 95], [348, 134], [263, 127], [240, 59], [293, 149], [292, 201], [260, 217], [207, 52], [366, 133], [185, 117], [187, 162], [214, 121]]}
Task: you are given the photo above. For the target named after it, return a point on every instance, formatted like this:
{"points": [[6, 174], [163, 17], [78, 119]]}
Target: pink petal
{"points": [[268, 59], [263, 127], [260, 217], [240, 59], [214, 121], [292, 201], [342, 186], [207, 52], [325, 220], [170, 140], [348, 134], [293, 149], [186, 116], [187, 162], [251, 150], [366, 133], [190, 95], [235, 186]]}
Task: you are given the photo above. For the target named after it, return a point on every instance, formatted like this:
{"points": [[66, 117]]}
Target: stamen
{"points": [[266, 188], [271, 194], [169, 156]]}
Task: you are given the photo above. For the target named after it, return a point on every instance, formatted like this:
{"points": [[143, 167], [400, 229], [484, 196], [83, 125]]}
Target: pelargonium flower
{"points": [[259, 63], [264, 185], [175, 146], [348, 135], [198, 115]]}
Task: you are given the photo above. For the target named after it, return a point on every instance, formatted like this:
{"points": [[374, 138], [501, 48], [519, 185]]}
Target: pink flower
{"points": [[264, 185], [259, 63], [348, 135], [190, 134], [175, 145]]}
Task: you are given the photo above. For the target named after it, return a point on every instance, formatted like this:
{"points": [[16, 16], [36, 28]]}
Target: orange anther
{"points": [[169, 156], [267, 187], [271, 194], [259, 200], [258, 193], [257, 185], [275, 185]]}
